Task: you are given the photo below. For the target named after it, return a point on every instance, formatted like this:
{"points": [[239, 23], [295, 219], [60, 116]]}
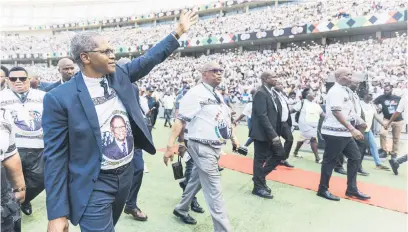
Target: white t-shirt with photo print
{"points": [[116, 133]]}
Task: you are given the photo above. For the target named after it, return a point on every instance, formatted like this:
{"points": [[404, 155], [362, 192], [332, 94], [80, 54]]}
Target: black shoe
{"points": [[268, 189], [186, 219], [393, 155], [166, 126], [262, 193], [326, 194], [220, 169], [394, 165], [286, 164], [196, 207], [340, 171], [363, 173], [26, 208], [357, 194]]}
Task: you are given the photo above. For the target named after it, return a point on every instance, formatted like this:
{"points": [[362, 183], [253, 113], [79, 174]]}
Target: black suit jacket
{"points": [[265, 118], [52, 86]]}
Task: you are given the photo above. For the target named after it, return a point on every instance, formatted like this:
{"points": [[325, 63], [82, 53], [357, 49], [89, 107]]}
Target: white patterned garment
{"points": [[7, 135], [208, 117], [339, 99], [26, 116], [117, 137]]}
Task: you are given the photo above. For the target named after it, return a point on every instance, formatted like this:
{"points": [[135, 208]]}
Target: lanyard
{"points": [[214, 94], [23, 98]]}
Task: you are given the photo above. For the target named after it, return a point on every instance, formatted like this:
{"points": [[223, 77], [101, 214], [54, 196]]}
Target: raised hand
{"points": [[187, 19]]}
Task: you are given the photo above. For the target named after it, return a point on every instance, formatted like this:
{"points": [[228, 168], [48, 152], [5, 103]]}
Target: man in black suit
{"points": [[67, 69], [122, 144], [266, 130]]}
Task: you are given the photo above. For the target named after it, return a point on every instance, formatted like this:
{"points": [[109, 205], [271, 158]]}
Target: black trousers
{"points": [[33, 169], [267, 156], [286, 133], [362, 146], [153, 116], [138, 165], [335, 146], [167, 116]]}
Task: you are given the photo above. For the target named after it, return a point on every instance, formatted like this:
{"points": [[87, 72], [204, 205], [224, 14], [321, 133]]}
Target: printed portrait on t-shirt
{"points": [[117, 139], [223, 128], [27, 121]]}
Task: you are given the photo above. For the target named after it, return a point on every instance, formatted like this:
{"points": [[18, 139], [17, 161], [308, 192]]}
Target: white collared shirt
{"points": [[209, 119], [284, 104], [338, 99]]}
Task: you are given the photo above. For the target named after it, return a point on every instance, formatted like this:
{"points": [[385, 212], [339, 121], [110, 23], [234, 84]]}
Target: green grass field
{"points": [[293, 209]]}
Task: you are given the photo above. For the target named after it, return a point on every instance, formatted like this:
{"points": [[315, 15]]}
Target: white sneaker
{"points": [[145, 169]]}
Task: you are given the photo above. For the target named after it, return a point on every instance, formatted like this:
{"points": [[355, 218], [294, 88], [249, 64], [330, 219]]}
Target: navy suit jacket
{"points": [[52, 86], [72, 136]]}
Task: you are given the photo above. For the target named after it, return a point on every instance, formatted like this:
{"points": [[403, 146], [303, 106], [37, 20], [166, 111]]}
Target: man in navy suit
{"points": [[67, 69], [81, 183]]}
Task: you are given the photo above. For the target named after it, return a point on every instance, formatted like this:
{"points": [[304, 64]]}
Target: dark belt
{"points": [[116, 171]]}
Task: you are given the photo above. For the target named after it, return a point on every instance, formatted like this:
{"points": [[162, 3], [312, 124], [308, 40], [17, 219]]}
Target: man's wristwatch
{"points": [[22, 189]]}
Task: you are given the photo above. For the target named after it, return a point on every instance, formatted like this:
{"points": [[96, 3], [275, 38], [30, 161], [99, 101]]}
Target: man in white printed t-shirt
{"points": [[209, 126], [338, 130], [26, 108]]}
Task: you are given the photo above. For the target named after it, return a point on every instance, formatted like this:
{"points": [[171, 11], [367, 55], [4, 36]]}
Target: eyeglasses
{"points": [[216, 70], [106, 51], [14, 79]]}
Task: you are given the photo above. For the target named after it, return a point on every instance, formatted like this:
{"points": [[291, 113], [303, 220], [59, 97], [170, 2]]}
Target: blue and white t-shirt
{"points": [[26, 114], [7, 142], [117, 138], [208, 117]]}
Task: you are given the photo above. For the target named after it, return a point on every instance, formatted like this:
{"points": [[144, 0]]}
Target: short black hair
{"points": [[117, 117], [388, 85], [5, 70], [18, 68], [305, 93], [292, 93]]}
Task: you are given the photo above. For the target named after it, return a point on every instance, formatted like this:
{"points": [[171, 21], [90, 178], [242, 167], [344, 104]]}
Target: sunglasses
{"points": [[216, 70], [14, 79]]}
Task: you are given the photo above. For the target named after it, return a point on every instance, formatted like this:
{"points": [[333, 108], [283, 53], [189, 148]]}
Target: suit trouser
{"points": [[362, 145], [267, 156], [153, 117], [106, 202], [33, 169], [138, 165], [335, 146], [396, 129], [167, 116], [286, 134], [205, 174]]}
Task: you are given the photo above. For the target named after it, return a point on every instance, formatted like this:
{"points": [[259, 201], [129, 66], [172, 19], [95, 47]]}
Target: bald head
{"points": [[66, 68], [343, 76], [212, 74]]}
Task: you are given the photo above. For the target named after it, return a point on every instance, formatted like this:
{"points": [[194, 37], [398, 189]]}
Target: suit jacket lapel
{"points": [[89, 108]]}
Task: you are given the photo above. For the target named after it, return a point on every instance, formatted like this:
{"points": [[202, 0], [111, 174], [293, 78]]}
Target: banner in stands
{"points": [[273, 34], [361, 21]]}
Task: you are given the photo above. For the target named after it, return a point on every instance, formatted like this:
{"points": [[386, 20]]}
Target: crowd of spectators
{"points": [[310, 65], [268, 18]]}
